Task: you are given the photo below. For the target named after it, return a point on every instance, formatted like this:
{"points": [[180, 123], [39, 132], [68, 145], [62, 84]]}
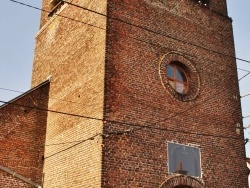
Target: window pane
{"points": [[180, 75], [170, 71], [184, 159], [180, 87]]}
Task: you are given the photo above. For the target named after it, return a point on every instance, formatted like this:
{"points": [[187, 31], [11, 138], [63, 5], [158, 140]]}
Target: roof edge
{"points": [[25, 93]]}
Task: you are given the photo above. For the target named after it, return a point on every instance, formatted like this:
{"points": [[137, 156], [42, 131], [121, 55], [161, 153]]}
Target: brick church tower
{"points": [[143, 93]]}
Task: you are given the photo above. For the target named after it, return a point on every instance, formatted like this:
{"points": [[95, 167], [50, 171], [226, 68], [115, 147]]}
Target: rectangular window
{"points": [[183, 159]]}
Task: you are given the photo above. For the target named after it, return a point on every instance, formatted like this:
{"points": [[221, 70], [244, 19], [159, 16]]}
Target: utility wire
{"points": [[11, 90], [244, 76], [155, 32], [188, 115], [90, 138], [140, 127], [151, 31], [5, 89], [146, 103], [134, 26], [137, 26], [190, 108], [81, 103], [72, 19], [243, 70], [47, 110], [131, 24], [117, 122], [246, 116], [200, 59], [245, 95]]}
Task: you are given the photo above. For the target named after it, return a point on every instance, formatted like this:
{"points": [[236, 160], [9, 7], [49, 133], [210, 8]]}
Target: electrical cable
{"points": [[227, 122], [72, 19], [155, 32], [11, 90], [118, 122], [102, 15], [6, 89], [143, 102], [131, 24], [90, 138], [71, 101], [81, 103], [84, 22], [140, 128], [79, 143], [245, 95], [11, 0], [243, 70], [190, 108], [188, 115], [246, 116], [244, 76], [200, 59]]}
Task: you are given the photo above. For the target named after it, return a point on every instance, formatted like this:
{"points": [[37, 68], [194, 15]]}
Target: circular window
{"points": [[179, 77]]}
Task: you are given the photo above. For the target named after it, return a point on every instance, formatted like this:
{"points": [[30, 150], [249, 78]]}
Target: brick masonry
{"points": [[73, 54], [23, 137], [108, 68], [135, 97]]}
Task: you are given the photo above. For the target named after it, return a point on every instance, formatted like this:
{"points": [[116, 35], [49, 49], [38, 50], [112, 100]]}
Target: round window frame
{"points": [[191, 74]]}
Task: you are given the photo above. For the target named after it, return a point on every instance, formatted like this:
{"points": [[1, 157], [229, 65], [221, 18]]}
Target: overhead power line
{"points": [[246, 116], [131, 24], [140, 126], [6, 89], [90, 138], [183, 112], [135, 26], [72, 19], [191, 108], [47, 110], [243, 70], [21, 92], [118, 122], [155, 32], [137, 127], [244, 76], [146, 103], [245, 95], [142, 28]]}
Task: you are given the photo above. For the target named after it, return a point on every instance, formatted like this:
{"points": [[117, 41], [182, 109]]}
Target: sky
{"points": [[19, 25]]}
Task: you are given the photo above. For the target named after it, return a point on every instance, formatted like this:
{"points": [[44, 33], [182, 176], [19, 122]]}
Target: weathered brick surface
{"points": [[114, 74], [73, 53], [134, 93], [22, 138], [8, 181]]}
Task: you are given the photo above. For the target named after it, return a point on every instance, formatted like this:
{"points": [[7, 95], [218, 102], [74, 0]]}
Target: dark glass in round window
{"points": [[177, 78]]}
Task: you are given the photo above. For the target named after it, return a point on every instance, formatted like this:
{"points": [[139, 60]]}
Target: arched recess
{"points": [[182, 181]]}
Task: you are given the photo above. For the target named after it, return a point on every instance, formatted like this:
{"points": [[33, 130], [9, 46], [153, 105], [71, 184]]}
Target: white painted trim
{"points": [[9, 171]]}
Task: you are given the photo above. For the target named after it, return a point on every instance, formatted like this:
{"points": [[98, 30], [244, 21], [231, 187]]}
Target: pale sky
{"points": [[19, 24]]}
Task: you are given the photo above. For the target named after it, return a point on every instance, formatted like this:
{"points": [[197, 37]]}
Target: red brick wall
{"points": [[135, 96], [8, 181], [22, 137], [73, 54]]}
